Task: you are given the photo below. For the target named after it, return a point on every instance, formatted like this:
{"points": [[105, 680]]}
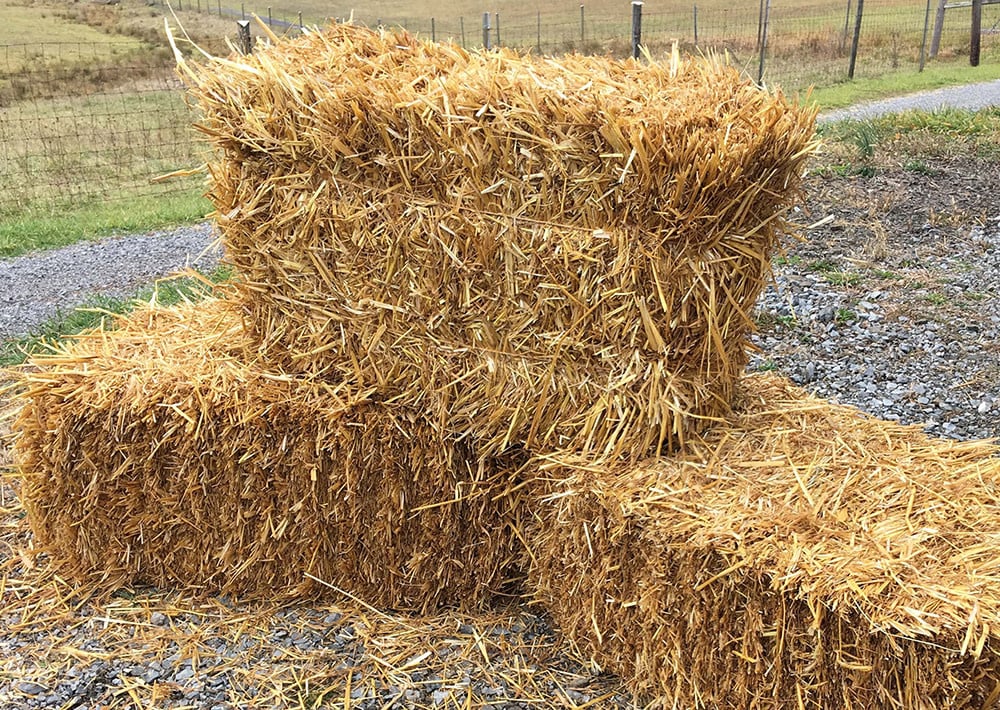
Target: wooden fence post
{"points": [[636, 27], [857, 38], [976, 34], [243, 35], [938, 26]]}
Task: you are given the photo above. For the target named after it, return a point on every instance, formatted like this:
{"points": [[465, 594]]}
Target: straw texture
{"points": [[802, 555], [154, 454], [554, 254]]}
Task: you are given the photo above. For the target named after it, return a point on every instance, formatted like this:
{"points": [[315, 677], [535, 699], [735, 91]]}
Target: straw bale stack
{"points": [[801, 556], [557, 254], [154, 454]]}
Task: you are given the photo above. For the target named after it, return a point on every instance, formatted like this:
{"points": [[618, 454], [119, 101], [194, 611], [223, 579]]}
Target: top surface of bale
{"points": [[553, 253], [670, 150]]}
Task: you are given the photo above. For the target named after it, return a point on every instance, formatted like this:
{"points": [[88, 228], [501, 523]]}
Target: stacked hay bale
{"points": [[539, 253], [800, 555], [445, 261], [160, 453]]}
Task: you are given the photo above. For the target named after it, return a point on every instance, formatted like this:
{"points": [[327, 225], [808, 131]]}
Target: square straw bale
{"points": [[154, 454], [802, 555], [561, 254]]}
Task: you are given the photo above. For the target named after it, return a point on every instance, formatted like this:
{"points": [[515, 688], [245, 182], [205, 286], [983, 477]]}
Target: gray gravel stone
{"points": [[38, 286], [970, 96], [29, 688]]}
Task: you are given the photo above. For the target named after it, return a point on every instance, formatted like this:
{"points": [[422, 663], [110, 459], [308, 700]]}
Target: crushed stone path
{"points": [[969, 96], [38, 286]]}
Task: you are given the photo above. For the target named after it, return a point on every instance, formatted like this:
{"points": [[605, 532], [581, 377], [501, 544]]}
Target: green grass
{"points": [[79, 149], [101, 309], [842, 278], [46, 230], [935, 76], [912, 136]]}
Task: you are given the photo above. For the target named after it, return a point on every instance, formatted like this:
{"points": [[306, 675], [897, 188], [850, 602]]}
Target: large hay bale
{"points": [[154, 454], [557, 253], [801, 556]]}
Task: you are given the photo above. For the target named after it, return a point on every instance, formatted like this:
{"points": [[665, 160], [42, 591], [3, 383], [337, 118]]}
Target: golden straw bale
{"points": [[561, 254], [803, 555], [153, 454]]}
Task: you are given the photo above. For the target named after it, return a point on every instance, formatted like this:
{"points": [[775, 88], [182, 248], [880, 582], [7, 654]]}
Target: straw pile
{"points": [[556, 254], [802, 555], [155, 454]]}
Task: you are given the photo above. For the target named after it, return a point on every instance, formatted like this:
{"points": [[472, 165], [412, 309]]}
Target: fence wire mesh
{"points": [[83, 122]]}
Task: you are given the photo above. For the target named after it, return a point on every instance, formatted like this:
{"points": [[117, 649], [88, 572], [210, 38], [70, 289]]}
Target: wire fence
{"points": [[86, 122]]}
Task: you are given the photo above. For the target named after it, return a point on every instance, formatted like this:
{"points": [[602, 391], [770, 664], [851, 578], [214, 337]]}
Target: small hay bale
{"points": [[803, 555], [154, 454], [561, 254]]}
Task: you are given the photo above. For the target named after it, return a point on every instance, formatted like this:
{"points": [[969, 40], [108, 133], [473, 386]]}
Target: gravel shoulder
{"points": [[970, 96], [893, 305], [36, 287]]}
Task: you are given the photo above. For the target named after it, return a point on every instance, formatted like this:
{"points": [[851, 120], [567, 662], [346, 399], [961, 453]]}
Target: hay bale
{"points": [[802, 555], [154, 454], [556, 253]]}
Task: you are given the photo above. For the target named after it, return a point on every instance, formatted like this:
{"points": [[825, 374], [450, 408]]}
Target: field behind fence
{"points": [[81, 122]]}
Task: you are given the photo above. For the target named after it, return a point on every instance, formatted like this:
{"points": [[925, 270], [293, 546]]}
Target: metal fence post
{"points": [[486, 30], [498, 29], [583, 34], [763, 40], [433, 31], [461, 24], [923, 41], [636, 27]]}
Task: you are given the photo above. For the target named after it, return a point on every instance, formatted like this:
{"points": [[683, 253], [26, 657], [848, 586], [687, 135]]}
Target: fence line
{"points": [[80, 122]]}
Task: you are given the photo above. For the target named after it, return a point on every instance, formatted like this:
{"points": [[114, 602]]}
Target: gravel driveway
{"points": [[970, 96], [36, 287]]}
